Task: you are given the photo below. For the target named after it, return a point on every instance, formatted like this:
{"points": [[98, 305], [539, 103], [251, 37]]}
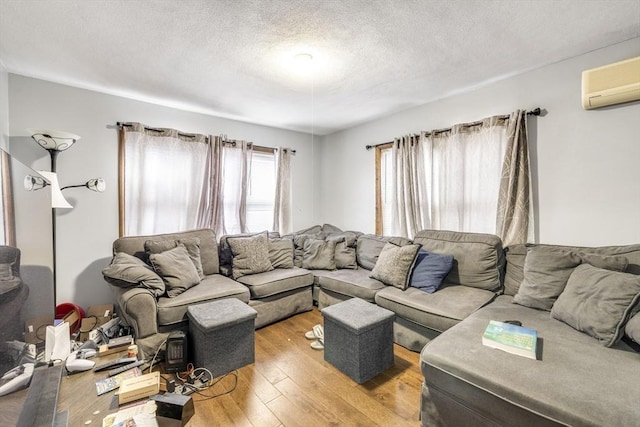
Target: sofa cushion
{"points": [[191, 243], [517, 254], [176, 269], [394, 264], [351, 283], [212, 287], [281, 252], [134, 245], [547, 270], [575, 382], [250, 254], [276, 281], [225, 254], [319, 254], [430, 270], [128, 271], [437, 311], [478, 258], [598, 302], [369, 246]]}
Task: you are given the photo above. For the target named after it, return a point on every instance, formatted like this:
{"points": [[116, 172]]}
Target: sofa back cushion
{"points": [[134, 245], [369, 246], [478, 258], [517, 254]]}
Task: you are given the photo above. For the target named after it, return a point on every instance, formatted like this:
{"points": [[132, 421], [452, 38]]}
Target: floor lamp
{"points": [[55, 142]]}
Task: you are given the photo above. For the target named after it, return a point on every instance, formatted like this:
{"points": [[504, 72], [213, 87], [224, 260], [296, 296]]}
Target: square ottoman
{"points": [[222, 335], [358, 338]]}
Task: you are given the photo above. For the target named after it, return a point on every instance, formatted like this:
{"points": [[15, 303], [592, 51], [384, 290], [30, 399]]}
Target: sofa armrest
{"points": [[139, 308]]}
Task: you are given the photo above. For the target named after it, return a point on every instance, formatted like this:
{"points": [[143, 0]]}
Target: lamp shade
{"points": [[53, 139], [57, 199]]}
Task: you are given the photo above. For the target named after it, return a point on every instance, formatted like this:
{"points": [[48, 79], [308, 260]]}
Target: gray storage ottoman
{"points": [[358, 338], [222, 335]]}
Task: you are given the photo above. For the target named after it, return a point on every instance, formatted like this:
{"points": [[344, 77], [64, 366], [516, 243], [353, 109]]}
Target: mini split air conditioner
{"points": [[611, 84]]}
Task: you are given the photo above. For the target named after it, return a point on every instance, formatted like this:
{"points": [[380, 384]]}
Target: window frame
{"points": [[379, 220]]}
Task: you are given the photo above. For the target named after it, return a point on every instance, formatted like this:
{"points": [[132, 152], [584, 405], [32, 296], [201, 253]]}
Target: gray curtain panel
{"points": [[513, 222]]}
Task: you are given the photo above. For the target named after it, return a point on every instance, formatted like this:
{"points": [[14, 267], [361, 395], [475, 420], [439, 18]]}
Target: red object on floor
{"points": [[66, 308]]}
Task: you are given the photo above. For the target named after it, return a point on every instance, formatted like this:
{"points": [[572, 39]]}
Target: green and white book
{"points": [[511, 338]]}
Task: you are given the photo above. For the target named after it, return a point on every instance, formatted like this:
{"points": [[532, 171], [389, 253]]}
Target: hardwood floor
{"points": [[290, 384]]}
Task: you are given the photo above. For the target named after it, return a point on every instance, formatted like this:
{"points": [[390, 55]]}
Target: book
{"points": [[511, 338], [112, 383]]}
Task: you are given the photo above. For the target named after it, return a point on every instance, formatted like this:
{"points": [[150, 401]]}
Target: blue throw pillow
{"points": [[430, 270]]}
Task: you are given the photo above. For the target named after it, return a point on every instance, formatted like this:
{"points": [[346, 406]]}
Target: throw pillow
{"points": [[345, 256], [319, 254], [176, 269], [128, 271], [6, 272], [298, 241], [192, 244], [345, 249], [281, 252], [547, 269], [633, 328], [250, 254], [430, 270], [394, 264], [598, 302]]}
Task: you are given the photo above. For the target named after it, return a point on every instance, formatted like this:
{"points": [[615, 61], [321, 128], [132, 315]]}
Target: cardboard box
{"points": [[36, 329], [139, 387], [97, 315]]}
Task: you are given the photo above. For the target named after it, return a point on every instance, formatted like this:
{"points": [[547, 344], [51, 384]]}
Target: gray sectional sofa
{"points": [[575, 381]]}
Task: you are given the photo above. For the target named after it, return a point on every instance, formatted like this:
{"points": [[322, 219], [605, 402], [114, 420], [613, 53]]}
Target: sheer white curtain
{"points": [[409, 206], [164, 181], [463, 171], [236, 172], [282, 206]]}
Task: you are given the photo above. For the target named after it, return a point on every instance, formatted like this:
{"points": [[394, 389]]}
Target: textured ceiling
{"points": [[234, 58]]}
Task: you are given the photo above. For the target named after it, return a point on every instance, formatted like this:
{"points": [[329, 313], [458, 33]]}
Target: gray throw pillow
{"points": [[633, 328], [547, 270], [281, 252], [319, 254], [394, 264], [598, 302], [250, 254], [345, 256], [127, 271], [6, 272], [345, 249], [192, 244], [298, 241], [176, 269]]}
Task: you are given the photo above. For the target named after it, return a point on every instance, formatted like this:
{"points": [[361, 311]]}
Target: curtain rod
{"points": [[535, 112], [224, 138]]}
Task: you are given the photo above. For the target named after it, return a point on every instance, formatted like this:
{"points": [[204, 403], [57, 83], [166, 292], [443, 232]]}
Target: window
{"points": [[262, 190], [462, 170], [169, 183]]}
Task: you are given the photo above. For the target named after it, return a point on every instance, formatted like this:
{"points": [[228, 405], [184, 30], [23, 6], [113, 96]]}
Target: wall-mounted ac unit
{"points": [[611, 84]]}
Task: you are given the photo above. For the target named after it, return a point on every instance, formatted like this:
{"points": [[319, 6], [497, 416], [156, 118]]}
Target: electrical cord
{"points": [[208, 396], [156, 355]]}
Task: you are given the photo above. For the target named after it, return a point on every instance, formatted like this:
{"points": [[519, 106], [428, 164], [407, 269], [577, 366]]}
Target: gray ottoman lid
{"points": [[357, 315], [214, 315]]}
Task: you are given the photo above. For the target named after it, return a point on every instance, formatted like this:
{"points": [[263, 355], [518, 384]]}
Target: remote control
{"points": [[121, 369], [114, 363]]}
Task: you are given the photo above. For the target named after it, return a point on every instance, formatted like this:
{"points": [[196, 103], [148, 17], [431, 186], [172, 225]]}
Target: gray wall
{"points": [[586, 177], [86, 232]]}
